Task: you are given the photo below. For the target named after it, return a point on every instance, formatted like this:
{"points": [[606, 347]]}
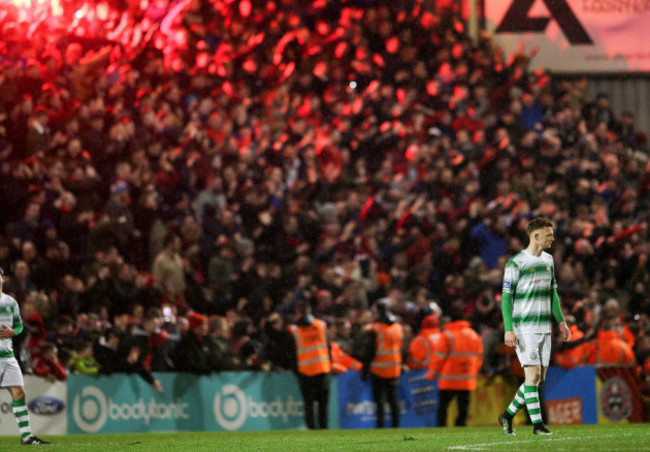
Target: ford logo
{"points": [[46, 406]]}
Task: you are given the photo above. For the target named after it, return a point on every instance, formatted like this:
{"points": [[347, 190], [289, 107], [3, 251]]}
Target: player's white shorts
{"points": [[10, 373], [533, 349]]}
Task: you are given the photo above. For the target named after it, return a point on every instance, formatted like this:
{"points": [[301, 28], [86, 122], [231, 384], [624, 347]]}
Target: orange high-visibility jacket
{"points": [[387, 362], [311, 348], [628, 336], [457, 358], [573, 357], [421, 347], [609, 350], [341, 361]]}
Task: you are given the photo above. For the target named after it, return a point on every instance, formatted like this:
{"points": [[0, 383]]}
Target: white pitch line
{"points": [[482, 446]]}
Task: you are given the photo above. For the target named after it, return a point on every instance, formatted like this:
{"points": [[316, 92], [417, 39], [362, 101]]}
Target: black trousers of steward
{"points": [[385, 390], [315, 391], [446, 396]]}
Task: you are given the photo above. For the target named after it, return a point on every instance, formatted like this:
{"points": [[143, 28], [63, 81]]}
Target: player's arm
{"points": [[509, 284], [18, 321], [7, 332], [556, 308], [565, 332], [509, 337], [18, 325]]}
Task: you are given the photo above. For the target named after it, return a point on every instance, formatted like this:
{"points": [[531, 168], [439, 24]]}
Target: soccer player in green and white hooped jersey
{"points": [[529, 298], [11, 377]]}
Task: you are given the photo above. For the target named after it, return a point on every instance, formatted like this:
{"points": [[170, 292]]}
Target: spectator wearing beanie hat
{"points": [[191, 352], [197, 322]]}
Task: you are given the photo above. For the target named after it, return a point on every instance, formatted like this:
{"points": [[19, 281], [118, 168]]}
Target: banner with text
{"points": [[252, 401], [46, 403], [574, 35], [570, 395], [224, 401], [417, 399], [272, 401], [127, 404]]}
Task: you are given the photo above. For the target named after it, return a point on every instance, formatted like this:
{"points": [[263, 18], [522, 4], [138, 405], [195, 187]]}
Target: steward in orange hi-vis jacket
{"points": [[313, 364], [455, 363], [383, 361], [609, 349], [424, 343], [341, 361], [574, 353]]}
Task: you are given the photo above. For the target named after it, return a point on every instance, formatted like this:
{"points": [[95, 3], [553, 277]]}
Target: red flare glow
{"points": [[411, 152], [340, 49], [428, 20], [102, 11], [320, 69], [392, 45], [255, 40], [288, 70], [432, 87], [227, 88], [357, 105], [245, 8], [313, 50], [322, 28], [401, 96], [294, 20], [457, 51], [249, 65], [202, 60]]}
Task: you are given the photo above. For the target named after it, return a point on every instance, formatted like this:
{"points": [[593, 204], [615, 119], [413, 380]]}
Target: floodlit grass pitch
{"points": [[624, 437]]}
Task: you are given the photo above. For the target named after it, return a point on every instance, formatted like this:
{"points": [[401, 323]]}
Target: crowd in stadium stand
{"points": [[176, 179]]}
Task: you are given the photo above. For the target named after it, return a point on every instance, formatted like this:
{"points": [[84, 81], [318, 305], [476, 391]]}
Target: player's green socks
{"points": [[22, 418], [532, 403], [517, 403]]}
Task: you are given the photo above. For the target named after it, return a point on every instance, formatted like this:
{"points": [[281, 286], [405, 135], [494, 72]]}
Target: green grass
{"points": [[624, 437]]}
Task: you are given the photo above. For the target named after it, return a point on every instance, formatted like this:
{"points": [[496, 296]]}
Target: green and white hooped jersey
{"points": [[531, 281], [10, 317]]}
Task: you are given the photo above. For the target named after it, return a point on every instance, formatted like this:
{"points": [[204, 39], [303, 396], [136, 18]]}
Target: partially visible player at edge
{"points": [[529, 296], [11, 377]]}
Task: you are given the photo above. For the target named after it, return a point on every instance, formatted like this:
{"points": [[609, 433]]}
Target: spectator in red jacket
{"points": [[37, 334], [46, 364]]}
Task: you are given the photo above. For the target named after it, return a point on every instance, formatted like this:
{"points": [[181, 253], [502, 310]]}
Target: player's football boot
{"points": [[540, 429], [33, 441], [506, 423]]}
